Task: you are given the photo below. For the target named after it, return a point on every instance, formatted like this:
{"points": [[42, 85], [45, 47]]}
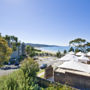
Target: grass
{"points": [[42, 76], [41, 71]]}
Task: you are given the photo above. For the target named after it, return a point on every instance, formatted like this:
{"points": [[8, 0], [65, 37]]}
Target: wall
{"points": [[48, 72], [59, 77], [75, 80]]}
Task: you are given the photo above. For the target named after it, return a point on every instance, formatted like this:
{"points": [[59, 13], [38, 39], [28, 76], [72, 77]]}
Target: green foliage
{"points": [[71, 49], [30, 51], [77, 50], [12, 84], [30, 67], [32, 54], [12, 42], [80, 43], [88, 49], [58, 54], [65, 51], [18, 81], [23, 79], [77, 42], [5, 51], [59, 87]]}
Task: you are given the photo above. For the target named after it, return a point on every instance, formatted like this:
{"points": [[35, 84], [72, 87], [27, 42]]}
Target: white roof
{"points": [[88, 54], [76, 66], [80, 54], [69, 57], [83, 58], [72, 53]]}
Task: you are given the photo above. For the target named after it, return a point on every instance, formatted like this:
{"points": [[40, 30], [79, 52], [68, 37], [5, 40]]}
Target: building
{"points": [[19, 52], [80, 54], [84, 59], [73, 73]]}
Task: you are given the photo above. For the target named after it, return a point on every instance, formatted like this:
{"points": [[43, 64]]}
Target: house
{"points": [[73, 73]]}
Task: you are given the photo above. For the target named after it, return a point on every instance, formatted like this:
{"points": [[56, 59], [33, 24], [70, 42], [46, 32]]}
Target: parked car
{"points": [[6, 68], [43, 66]]}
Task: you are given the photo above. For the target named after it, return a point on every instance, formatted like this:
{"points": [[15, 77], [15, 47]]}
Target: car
{"points": [[6, 68], [43, 66]]}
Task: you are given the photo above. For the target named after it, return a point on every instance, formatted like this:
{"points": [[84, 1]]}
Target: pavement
{"points": [[7, 69]]}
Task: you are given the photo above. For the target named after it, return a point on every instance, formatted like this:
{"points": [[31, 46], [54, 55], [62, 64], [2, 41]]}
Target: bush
{"points": [[25, 78], [30, 67], [11, 84], [58, 54]]}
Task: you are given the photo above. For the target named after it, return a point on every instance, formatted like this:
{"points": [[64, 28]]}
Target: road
{"points": [[8, 69]]}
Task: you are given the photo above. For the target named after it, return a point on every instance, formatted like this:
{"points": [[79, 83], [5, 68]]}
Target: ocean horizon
{"points": [[55, 48]]}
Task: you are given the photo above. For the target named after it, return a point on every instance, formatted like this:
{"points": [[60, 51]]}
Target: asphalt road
{"points": [[8, 69]]}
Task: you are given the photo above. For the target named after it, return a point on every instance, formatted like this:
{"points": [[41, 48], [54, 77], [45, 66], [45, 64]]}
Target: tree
{"points": [[7, 38], [22, 79], [88, 49], [12, 42], [0, 34], [65, 51], [71, 49], [87, 45], [28, 49], [5, 51], [78, 43], [30, 69], [58, 54], [77, 50]]}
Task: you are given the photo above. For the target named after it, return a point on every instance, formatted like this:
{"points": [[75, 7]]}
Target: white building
{"points": [[79, 54], [83, 59], [69, 57]]}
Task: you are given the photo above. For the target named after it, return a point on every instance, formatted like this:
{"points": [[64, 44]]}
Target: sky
{"points": [[53, 22]]}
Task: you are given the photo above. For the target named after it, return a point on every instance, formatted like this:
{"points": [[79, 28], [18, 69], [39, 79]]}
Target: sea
{"points": [[55, 49]]}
